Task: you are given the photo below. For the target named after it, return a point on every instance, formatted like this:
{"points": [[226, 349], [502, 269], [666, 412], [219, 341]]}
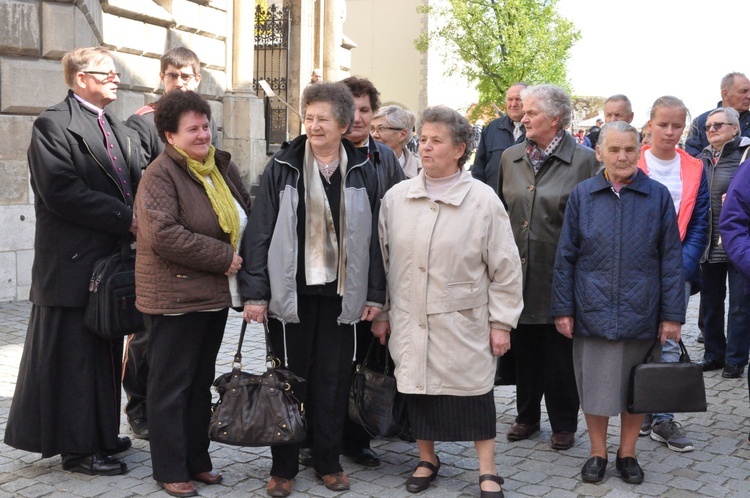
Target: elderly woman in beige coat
{"points": [[455, 292]]}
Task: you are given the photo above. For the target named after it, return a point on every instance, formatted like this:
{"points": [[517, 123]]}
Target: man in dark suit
{"points": [[497, 136], [84, 167]]}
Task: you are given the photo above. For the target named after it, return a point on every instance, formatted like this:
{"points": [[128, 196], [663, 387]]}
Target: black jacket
{"points": [[496, 137], [386, 165], [81, 212]]}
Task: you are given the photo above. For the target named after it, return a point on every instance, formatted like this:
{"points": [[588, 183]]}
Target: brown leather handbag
{"points": [[257, 409]]}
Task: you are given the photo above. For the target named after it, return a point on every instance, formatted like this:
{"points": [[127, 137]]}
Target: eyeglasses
{"points": [[185, 77], [715, 126], [381, 129], [109, 75]]}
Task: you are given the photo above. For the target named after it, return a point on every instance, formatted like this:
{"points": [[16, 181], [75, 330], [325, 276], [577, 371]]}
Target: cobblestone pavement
{"points": [[719, 466]]}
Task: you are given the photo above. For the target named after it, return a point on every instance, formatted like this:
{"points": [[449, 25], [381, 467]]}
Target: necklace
{"points": [[327, 169]]}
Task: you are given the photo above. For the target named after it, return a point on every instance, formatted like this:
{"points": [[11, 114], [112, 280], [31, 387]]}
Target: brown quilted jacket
{"points": [[182, 251]]}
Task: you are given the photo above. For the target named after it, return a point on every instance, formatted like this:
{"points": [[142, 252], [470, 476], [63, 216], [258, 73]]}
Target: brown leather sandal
{"points": [[491, 494]]}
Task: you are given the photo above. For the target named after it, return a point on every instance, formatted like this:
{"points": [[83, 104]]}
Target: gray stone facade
{"points": [[35, 34]]}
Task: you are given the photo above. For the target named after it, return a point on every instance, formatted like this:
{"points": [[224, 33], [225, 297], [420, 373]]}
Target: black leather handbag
{"points": [[374, 401], [257, 409], [110, 311], [667, 387]]}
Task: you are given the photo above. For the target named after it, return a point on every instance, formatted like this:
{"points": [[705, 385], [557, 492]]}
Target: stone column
{"points": [[332, 35], [244, 124]]}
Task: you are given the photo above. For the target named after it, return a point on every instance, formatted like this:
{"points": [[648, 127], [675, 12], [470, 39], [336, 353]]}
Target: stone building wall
{"points": [[35, 34]]}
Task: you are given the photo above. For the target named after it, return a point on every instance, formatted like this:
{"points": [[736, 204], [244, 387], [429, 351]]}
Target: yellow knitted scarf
{"points": [[218, 193]]}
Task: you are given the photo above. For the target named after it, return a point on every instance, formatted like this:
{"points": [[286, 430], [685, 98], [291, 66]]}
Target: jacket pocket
{"points": [[193, 287]]}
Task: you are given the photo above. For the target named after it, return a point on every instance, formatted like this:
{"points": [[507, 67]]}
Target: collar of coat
{"points": [[292, 154], [454, 195], [639, 184], [564, 152]]}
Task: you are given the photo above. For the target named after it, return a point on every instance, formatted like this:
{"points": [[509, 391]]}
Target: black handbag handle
{"points": [[270, 356], [373, 346], [684, 356]]}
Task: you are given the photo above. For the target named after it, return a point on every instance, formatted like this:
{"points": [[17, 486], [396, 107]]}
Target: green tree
{"points": [[496, 43]]}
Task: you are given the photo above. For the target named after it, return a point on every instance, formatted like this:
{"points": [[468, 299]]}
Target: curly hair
{"points": [[171, 107], [553, 100], [460, 128], [336, 94], [363, 86]]}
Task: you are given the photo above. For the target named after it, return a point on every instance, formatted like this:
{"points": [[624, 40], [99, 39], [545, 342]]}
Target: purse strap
{"points": [[371, 350], [270, 356], [684, 356]]}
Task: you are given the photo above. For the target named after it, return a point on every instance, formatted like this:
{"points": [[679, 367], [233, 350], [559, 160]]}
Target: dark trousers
{"points": [[319, 350], [734, 348], [182, 350], [135, 375], [544, 368]]}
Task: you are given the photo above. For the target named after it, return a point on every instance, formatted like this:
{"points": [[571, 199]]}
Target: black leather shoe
{"points": [[418, 484], [363, 456], [139, 427], [491, 494], [306, 457], [96, 464], [629, 469], [123, 444], [732, 371], [594, 468], [708, 365]]}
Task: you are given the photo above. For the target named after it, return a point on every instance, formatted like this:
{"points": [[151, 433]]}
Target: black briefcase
{"points": [[667, 387]]}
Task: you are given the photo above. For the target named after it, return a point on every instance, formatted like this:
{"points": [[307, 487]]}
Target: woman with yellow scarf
{"points": [[191, 209]]}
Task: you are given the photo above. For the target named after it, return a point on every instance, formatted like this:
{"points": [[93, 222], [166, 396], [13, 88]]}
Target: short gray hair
{"points": [[554, 101], [336, 94], [397, 117], [727, 82], [460, 128], [621, 126], [620, 98], [733, 117]]}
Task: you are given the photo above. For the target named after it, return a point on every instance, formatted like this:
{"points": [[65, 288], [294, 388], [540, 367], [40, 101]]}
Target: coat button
{"points": [[433, 208], [421, 268], [525, 224], [523, 261], [531, 188]]}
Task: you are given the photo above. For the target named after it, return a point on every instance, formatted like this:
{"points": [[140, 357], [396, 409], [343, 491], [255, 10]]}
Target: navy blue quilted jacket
{"points": [[618, 268]]}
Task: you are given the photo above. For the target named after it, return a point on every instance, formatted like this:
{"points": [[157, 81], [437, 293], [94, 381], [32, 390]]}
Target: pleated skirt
{"points": [[452, 418], [602, 370]]}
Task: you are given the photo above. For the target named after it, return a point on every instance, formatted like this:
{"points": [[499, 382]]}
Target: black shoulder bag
{"points": [[111, 311]]}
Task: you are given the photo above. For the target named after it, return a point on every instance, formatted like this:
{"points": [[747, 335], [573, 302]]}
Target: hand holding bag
{"points": [[257, 409], [667, 387], [110, 311], [374, 401]]}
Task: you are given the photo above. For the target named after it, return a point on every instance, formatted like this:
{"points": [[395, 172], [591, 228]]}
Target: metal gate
{"points": [[272, 28]]}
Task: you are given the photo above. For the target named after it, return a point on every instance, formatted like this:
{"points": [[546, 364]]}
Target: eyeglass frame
{"points": [[182, 76], [380, 129], [108, 75], [715, 126]]}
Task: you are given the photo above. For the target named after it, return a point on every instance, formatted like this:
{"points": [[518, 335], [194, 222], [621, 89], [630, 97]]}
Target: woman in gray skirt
{"points": [[618, 285]]}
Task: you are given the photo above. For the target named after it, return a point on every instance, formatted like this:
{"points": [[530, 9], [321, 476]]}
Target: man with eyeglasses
{"points": [[497, 136], [735, 93], [84, 169], [180, 71]]}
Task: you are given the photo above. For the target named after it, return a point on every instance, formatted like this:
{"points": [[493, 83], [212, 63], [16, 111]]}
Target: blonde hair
{"points": [[79, 59]]}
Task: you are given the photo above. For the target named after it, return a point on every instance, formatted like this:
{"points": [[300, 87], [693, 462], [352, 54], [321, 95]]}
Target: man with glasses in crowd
{"points": [[84, 169], [735, 93], [180, 71]]}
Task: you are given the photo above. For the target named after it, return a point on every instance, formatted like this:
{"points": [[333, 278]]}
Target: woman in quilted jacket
{"points": [[191, 211], [618, 287]]}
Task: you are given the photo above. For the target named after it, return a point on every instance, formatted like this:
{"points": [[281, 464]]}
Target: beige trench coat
{"points": [[453, 271]]}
